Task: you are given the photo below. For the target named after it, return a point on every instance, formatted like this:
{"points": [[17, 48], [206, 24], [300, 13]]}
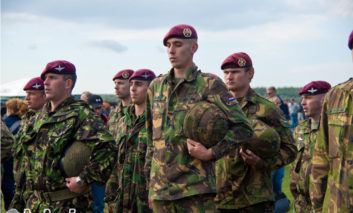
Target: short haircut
{"points": [[272, 88], [73, 77]]}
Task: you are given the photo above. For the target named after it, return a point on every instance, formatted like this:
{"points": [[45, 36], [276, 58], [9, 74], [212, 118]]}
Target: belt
{"points": [[59, 195]]}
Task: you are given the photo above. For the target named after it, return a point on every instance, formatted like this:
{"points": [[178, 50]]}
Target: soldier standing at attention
{"points": [[305, 136], [35, 99], [332, 164], [255, 193], [132, 193], [182, 171], [122, 91], [63, 121]]}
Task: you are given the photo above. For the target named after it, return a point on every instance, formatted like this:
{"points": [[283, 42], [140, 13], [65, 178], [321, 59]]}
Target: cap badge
{"points": [[125, 75], [59, 68], [187, 32], [36, 86], [312, 90], [241, 62], [145, 75]]}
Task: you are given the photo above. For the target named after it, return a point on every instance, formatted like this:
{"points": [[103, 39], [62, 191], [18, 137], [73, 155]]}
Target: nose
{"points": [[171, 49], [27, 97]]}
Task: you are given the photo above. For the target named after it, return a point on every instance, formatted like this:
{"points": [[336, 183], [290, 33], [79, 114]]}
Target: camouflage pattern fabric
{"points": [[19, 152], [263, 207], [128, 179], [7, 142], [174, 174], [52, 132], [305, 136], [332, 164], [198, 203], [249, 185], [114, 118]]}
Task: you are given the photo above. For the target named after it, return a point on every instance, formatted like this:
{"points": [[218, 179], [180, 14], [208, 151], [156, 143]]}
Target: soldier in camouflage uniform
{"points": [[7, 141], [132, 193], [250, 190], [332, 164], [35, 99], [122, 91], [305, 136], [182, 171], [61, 122]]}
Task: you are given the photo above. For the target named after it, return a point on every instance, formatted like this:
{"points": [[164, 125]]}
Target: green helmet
{"points": [[265, 141], [205, 123], [75, 158]]}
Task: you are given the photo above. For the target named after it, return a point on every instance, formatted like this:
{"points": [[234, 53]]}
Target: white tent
{"points": [[14, 88]]}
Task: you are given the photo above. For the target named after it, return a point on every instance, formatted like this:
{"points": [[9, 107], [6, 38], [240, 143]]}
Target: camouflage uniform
{"points": [[174, 174], [7, 141], [52, 132], [332, 164], [305, 137], [20, 151], [252, 186], [114, 118], [128, 179]]}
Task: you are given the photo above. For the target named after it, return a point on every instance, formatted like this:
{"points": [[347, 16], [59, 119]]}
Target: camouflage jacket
{"points": [[71, 121], [175, 174], [114, 118], [128, 181], [19, 152], [305, 136], [332, 164], [7, 142], [253, 185]]}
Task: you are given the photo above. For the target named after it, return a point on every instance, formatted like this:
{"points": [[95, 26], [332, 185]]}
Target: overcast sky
{"points": [[291, 42]]}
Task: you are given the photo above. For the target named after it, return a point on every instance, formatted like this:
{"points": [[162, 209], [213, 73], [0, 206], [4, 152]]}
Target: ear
{"points": [[251, 73], [68, 83], [194, 47]]}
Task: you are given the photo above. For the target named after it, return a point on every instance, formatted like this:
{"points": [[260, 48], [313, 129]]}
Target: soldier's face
{"points": [[35, 99], [237, 78], [138, 91], [56, 87], [181, 51], [122, 89], [312, 105]]}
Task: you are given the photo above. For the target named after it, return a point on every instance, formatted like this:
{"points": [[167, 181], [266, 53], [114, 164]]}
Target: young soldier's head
{"points": [[139, 82], [35, 96], [121, 82]]}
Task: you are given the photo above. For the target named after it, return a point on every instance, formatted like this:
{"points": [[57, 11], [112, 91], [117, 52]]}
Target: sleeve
{"points": [[94, 133], [240, 130], [320, 164], [149, 151]]}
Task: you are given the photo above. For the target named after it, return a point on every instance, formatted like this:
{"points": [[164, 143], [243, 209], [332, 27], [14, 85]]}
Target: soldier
{"points": [[182, 174], [332, 164], [132, 193], [254, 193], [7, 141], [63, 121], [122, 91], [35, 99], [305, 136]]}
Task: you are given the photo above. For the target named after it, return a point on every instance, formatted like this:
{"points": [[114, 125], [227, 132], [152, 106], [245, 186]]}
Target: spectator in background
{"points": [[15, 109], [96, 103], [271, 94], [293, 107], [85, 95]]}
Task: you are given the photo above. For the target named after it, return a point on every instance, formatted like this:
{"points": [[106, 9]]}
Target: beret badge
{"points": [[126, 75], [187, 32], [241, 62]]}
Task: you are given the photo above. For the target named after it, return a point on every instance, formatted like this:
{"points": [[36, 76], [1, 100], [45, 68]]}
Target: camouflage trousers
{"points": [[203, 203], [302, 204], [263, 207]]}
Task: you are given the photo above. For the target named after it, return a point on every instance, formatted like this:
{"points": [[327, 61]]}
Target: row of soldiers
{"points": [[149, 164]]}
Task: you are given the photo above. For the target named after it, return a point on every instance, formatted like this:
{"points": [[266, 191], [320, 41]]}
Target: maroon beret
{"points": [[59, 67], [237, 60], [315, 88], [350, 41], [123, 74], [143, 74], [34, 84], [183, 31]]}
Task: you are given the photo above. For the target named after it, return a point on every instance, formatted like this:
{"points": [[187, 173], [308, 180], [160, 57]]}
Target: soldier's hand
{"points": [[249, 157], [199, 151], [73, 186], [150, 203]]}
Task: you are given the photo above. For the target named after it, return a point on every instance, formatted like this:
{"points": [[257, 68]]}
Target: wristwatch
{"points": [[79, 182]]}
